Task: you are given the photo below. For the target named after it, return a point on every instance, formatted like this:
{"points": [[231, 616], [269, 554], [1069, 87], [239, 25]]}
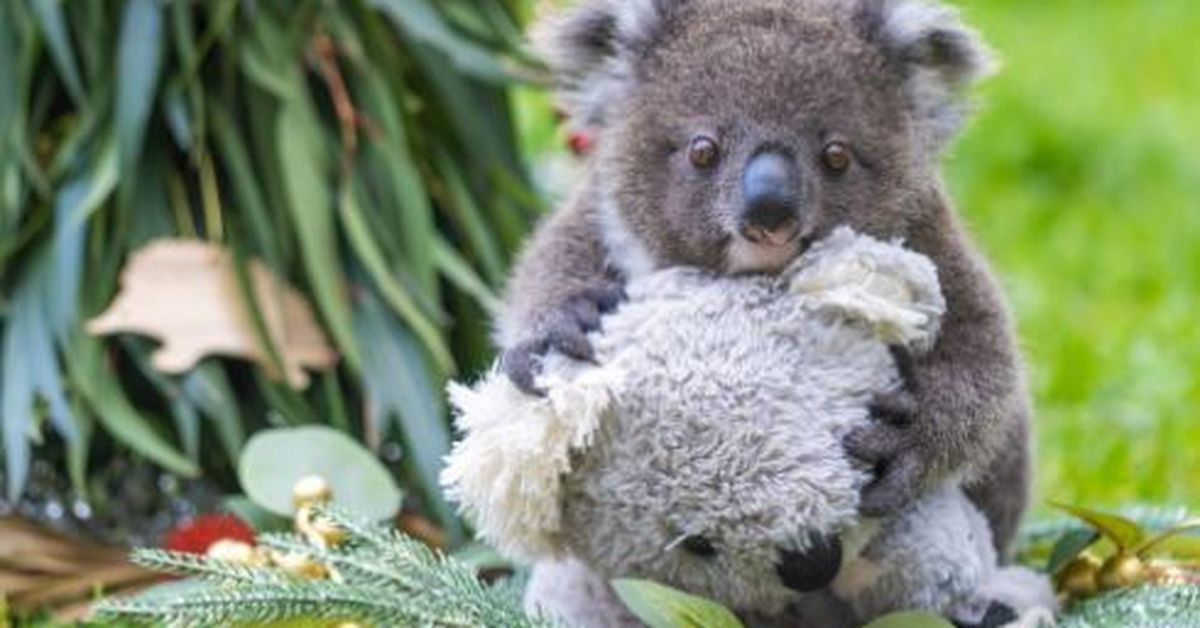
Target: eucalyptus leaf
{"points": [[1124, 532], [399, 387], [306, 182], [1068, 547], [663, 607], [910, 619], [420, 20], [139, 60], [99, 386], [50, 18], [274, 460]]}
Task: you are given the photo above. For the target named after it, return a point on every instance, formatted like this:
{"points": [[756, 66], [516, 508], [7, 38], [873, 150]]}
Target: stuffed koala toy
{"points": [[703, 450]]}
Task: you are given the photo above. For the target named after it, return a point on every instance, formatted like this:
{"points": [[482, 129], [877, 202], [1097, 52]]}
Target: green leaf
{"points": [[910, 619], [208, 387], [301, 157], [398, 384], [457, 271], [372, 259], [1068, 547], [1172, 541], [100, 387], [663, 607], [30, 372], [274, 460], [50, 19], [139, 59], [1126, 534], [420, 21]]}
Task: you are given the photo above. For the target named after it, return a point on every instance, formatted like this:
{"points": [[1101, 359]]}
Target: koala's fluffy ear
{"points": [[592, 47], [506, 472], [939, 55]]}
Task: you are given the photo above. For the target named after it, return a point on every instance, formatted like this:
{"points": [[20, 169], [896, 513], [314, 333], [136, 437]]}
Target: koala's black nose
{"points": [[771, 194], [813, 568]]}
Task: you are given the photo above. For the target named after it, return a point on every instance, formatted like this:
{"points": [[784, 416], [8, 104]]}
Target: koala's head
{"points": [[704, 450], [732, 133]]}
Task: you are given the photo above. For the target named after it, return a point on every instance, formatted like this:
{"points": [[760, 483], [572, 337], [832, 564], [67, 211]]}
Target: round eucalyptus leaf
{"points": [[274, 460]]}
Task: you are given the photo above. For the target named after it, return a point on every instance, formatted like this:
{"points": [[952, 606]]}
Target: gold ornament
{"points": [[301, 566], [239, 552], [1078, 578], [318, 530], [1122, 570], [311, 489]]}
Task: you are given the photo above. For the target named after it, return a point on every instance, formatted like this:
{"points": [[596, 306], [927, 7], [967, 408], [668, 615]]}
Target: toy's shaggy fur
{"points": [[716, 408]]}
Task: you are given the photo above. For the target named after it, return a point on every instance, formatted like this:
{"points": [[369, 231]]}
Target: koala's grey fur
{"points": [[888, 77]]}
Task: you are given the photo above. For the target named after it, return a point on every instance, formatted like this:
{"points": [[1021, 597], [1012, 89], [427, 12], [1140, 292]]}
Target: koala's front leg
{"points": [[964, 409], [560, 288]]}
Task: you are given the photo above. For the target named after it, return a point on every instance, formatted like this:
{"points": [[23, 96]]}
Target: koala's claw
{"points": [[565, 331], [898, 408], [898, 462]]}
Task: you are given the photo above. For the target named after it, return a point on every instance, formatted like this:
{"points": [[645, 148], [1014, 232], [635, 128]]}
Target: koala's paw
{"points": [[891, 446], [563, 330]]}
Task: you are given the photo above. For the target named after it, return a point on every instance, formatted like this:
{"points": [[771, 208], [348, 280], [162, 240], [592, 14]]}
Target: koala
{"points": [[725, 477], [732, 134]]}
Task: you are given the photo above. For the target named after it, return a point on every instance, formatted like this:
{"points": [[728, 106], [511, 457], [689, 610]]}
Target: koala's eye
{"points": [[836, 157], [703, 152], [699, 545]]}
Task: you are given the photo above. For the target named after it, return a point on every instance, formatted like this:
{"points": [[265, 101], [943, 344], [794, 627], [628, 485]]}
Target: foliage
{"points": [[361, 149], [1145, 607], [383, 578], [663, 607]]}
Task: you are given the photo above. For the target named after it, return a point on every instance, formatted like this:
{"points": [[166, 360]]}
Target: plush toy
{"points": [[702, 450]]}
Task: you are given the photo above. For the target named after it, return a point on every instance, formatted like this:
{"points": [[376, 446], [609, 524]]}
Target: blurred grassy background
{"points": [[1081, 180]]}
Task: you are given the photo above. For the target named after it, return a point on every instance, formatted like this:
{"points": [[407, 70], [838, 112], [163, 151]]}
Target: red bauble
{"points": [[196, 535]]}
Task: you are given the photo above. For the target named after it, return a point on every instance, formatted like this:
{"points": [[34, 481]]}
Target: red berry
{"points": [[581, 142], [196, 535]]}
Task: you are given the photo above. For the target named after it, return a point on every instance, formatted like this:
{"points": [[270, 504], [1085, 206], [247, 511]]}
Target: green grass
{"points": [[1081, 180]]}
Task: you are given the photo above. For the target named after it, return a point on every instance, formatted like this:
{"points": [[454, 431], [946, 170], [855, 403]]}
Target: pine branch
{"points": [[378, 576], [1158, 606]]}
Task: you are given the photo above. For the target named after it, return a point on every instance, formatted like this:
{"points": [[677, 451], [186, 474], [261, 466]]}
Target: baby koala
{"points": [[703, 450], [730, 136]]}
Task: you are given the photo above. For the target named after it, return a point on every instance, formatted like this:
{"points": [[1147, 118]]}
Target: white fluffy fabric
{"points": [[508, 471]]}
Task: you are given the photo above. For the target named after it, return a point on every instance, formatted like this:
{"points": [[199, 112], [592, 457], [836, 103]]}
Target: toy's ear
{"points": [[938, 55], [507, 471], [892, 290], [592, 50]]}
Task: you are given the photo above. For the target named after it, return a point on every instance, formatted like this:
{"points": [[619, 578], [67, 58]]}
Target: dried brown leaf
{"points": [[185, 294]]}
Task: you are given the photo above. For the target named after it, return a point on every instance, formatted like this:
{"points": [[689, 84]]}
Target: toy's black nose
{"points": [[771, 196], [813, 568]]}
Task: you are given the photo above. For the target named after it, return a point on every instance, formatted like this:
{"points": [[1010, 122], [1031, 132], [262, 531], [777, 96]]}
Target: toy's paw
{"points": [[563, 330], [890, 446]]}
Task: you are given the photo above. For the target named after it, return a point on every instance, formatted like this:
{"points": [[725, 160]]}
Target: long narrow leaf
{"points": [[50, 18], [372, 259], [310, 201], [139, 59]]}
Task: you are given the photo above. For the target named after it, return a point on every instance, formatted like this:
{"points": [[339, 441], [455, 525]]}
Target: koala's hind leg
{"points": [[1002, 491], [937, 555], [576, 596]]}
